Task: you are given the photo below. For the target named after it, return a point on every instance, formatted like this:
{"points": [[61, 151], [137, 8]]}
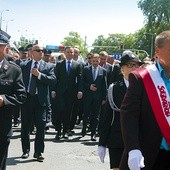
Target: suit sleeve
{"points": [[130, 114], [48, 77], [18, 95], [86, 84], [105, 130], [104, 86], [79, 78]]}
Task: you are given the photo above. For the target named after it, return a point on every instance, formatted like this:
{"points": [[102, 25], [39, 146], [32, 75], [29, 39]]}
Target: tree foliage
{"points": [[74, 40], [157, 14], [157, 19]]}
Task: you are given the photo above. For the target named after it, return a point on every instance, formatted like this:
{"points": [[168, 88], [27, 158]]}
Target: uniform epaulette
{"points": [[13, 63]]}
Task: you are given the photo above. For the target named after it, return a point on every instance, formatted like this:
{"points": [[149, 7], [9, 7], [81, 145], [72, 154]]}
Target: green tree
{"points": [[156, 12], [74, 39], [23, 42], [157, 19], [114, 43]]}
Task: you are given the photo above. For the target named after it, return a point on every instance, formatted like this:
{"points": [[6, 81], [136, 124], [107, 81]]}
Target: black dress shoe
{"points": [[93, 138], [16, 124], [25, 155], [65, 135], [78, 121], [33, 132], [83, 133], [39, 157], [70, 132], [47, 128], [57, 137]]}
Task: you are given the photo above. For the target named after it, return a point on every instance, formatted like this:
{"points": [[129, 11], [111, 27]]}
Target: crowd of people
{"points": [[125, 103]]}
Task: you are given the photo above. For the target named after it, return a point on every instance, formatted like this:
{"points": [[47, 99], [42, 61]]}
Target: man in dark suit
{"points": [[77, 111], [68, 88], [103, 55], [103, 63], [94, 89], [37, 76], [12, 93], [145, 113]]}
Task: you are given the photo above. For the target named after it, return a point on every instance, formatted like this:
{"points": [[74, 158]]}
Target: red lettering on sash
{"points": [[158, 99], [164, 101]]}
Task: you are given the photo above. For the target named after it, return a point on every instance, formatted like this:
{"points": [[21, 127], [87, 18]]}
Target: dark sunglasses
{"points": [[130, 65], [39, 50]]}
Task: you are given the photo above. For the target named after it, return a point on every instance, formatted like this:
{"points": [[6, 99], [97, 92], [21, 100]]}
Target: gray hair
{"points": [[162, 38]]}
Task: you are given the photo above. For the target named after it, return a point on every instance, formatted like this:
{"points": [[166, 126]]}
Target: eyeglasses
{"points": [[39, 50], [130, 65]]}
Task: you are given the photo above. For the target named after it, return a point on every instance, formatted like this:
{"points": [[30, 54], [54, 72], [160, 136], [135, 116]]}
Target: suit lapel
{"points": [[100, 71], [65, 67], [91, 73], [41, 66]]}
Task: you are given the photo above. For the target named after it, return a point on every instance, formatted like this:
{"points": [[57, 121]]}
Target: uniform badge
{"points": [[5, 67]]}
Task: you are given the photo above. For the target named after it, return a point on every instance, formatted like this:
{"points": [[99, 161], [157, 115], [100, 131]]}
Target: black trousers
{"points": [[16, 114], [4, 144], [91, 110], [32, 108], [77, 111], [63, 109], [162, 161]]}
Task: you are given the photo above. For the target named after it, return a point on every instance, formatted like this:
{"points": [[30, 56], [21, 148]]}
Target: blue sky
{"points": [[50, 21]]}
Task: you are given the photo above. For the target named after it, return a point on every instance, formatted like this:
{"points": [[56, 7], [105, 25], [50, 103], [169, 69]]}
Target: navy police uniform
{"points": [[12, 93]]}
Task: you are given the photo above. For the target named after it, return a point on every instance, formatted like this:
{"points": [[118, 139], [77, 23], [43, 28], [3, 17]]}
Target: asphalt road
{"points": [[76, 153]]}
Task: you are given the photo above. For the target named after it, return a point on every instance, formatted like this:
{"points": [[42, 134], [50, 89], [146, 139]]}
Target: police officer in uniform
{"points": [[12, 93]]}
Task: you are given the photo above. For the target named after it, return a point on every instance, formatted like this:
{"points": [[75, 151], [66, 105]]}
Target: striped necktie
{"points": [[32, 89]]}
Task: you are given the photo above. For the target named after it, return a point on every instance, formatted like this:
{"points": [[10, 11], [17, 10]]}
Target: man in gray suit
{"points": [[37, 76]]}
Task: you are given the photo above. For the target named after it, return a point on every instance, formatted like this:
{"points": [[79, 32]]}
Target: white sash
{"points": [[159, 98]]}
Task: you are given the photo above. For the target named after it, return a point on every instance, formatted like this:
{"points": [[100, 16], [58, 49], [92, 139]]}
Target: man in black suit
{"points": [[12, 93], [95, 89], [77, 112], [103, 55], [103, 63], [68, 88], [37, 76]]}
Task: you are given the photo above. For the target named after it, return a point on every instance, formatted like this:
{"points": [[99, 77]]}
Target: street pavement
{"points": [[76, 153]]}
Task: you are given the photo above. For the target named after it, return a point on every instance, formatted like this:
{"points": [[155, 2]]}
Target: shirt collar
{"points": [[95, 67], [69, 60], [126, 82], [161, 70], [38, 63]]}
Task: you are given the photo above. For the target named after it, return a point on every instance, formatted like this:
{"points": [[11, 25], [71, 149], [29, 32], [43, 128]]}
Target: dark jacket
{"points": [[111, 136], [139, 127], [13, 92]]}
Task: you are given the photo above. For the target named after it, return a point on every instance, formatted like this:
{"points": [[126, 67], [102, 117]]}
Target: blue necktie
{"points": [[68, 67], [94, 74], [32, 89]]}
